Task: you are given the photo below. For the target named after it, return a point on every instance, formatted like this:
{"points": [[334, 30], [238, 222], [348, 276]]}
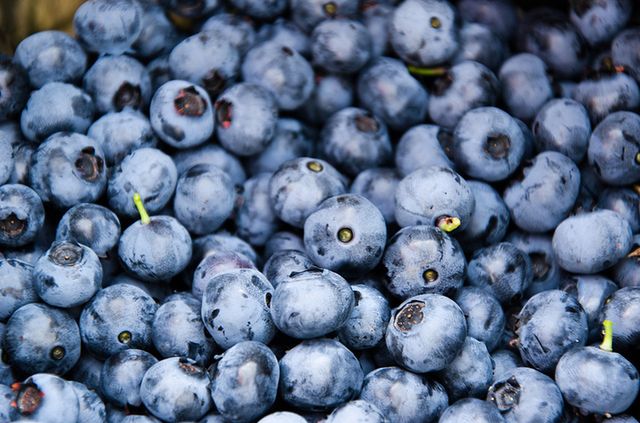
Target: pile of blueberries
{"points": [[340, 211]]}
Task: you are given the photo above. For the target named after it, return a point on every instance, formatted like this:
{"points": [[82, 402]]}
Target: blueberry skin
{"points": [[51, 56], [470, 373], [91, 408], [283, 263], [613, 147], [158, 35], [624, 273], [420, 147], [420, 44], [390, 92], [245, 381], [235, 308], [488, 144], [214, 155], [331, 94], [56, 107], [501, 16], [215, 262], [621, 309], [106, 26], [378, 185], [246, 117], [21, 215], [234, 28], [156, 251], [286, 32], [525, 85], [484, 315], [188, 9], [40, 339], [92, 225], [503, 270], [283, 240], [591, 291], [414, 253], [623, 201], [204, 198], [178, 331], [147, 171], [87, 372], [255, 219], [624, 50], [599, 22], [175, 389], [118, 318], [14, 82], [404, 397], [609, 94], [563, 125], [490, 218], [591, 242], [59, 403], [281, 417], [68, 275], [7, 412], [340, 46], [7, 160], [481, 43], [319, 374], [546, 272], [524, 394], [366, 325], [259, 9], [546, 194], [17, 287], [430, 193], [503, 362], [597, 381], [296, 189], [471, 409], [376, 19], [357, 411], [122, 374], [207, 60], [159, 71], [223, 241], [309, 13]]}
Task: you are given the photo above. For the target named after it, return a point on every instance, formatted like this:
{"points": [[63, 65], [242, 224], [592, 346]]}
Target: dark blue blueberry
{"points": [[14, 83], [91, 407], [471, 410], [108, 26], [503, 362], [309, 13], [602, 97], [331, 94], [529, 141], [92, 225], [245, 381], [7, 153], [56, 107], [214, 155], [51, 56], [277, 417], [235, 28], [549, 324], [420, 147], [21, 215], [122, 374], [488, 144], [155, 290], [625, 202], [283, 240], [178, 331], [625, 273], [482, 44], [285, 32], [190, 8], [118, 318], [282, 71], [599, 21], [246, 117], [366, 325], [624, 51], [591, 242], [499, 15], [158, 35], [423, 260], [282, 263], [378, 185], [470, 373], [426, 332], [503, 270], [340, 46], [357, 411], [40, 338], [424, 32], [176, 389], [17, 287], [452, 97], [389, 91], [546, 194], [235, 308], [545, 269], [526, 87], [255, 219], [376, 17], [490, 219], [614, 149], [591, 291], [622, 309], [319, 374], [526, 395], [222, 241], [484, 315], [46, 397], [215, 262], [159, 71], [404, 397], [563, 125], [260, 9]]}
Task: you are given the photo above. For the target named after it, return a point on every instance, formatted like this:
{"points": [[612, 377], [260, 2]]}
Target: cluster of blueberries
{"points": [[341, 211]]}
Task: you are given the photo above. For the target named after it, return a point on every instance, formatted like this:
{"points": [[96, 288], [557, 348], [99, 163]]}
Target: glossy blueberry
{"points": [[21, 215], [308, 13], [404, 397], [390, 92], [281, 264], [255, 219], [599, 21], [331, 94], [591, 242], [17, 287], [40, 338], [624, 51], [365, 327], [175, 389], [190, 8], [483, 313], [525, 85], [46, 397], [217, 261], [147, 171], [158, 35], [563, 125], [481, 43], [245, 381], [423, 260], [471, 409], [235, 308], [122, 374], [621, 309], [340, 46], [235, 28], [489, 221], [378, 185], [118, 318], [319, 374], [214, 155], [56, 107], [546, 272], [420, 147], [602, 97], [501, 269], [14, 82], [470, 373], [591, 291], [281, 417], [283, 240]]}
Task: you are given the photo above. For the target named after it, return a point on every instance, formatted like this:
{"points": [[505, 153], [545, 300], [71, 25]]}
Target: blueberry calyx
{"points": [[28, 398], [637, 158], [224, 113], [66, 254], [505, 395], [214, 82], [189, 102], [345, 235], [607, 342], [497, 146], [430, 275], [315, 166], [410, 315], [367, 124], [128, 95], [88, 165], [448, 223], [124, 337], [188, 366], [57, 353], [435, 22], [13, 226], [330, 9]]}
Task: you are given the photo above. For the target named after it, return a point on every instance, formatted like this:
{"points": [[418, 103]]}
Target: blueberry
{"points": [[234, 28], [404, 397], [7, 412], [56, 107], [260, 9], [158, 35], [118, 318], [525, 85], [21, 215], [14, 82], [7, 159], [215, 262], [245, 381], [255, 219], [92, 225], [620, 308], [546, 272], [191, 8], [470, 373], [365, 327], [334, 377], [591, 242], [91, 406], [122, 375], [624, 51], [606, 95], [503, 362], [282, 263], [40, 339], [331, 94], [282, 417], [159, 71], [420, 147], [488, 144], [599, 21], [285, 32], [222, 241], [357, 411], [389, 91], [340, 46], [591, 291], [235, 308], [175, 389], [138, 418], [376, 17], [282, 71], [46, 397], [471, 409], [421, 44], [214, 155], [484, 315], [17, 287], [624, 201], [378, 185], [490, 219], [434, 196], [309, 13], [246, 117], [423, 260], [625, 273], [283, 240], [481, 43], [499, 15]]}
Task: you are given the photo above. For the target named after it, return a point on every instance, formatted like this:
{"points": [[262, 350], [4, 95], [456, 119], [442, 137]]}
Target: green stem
{"points": [[144, 216], [416, 70], [448, 223], [607, 342]]}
